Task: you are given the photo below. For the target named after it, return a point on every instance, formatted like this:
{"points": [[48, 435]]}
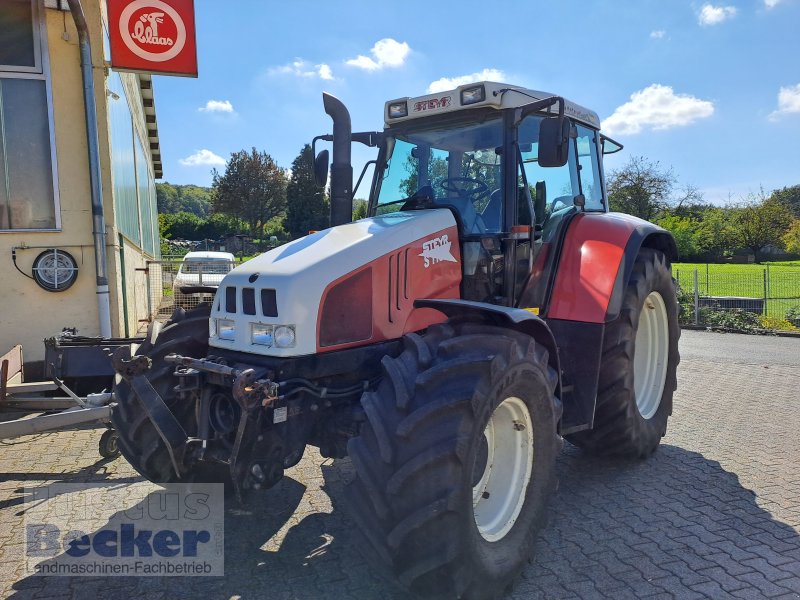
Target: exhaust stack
{"points": [[341, 167]]}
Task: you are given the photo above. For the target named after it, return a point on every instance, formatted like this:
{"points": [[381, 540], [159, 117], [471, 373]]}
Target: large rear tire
{"points": [[187, 334], [456, 460], [637, 370]]}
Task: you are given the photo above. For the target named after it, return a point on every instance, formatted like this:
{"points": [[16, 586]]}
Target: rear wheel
{"points": [[456, 460], [638, 365]]}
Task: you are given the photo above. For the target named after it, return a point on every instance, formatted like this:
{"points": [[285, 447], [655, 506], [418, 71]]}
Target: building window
{"points": [[27, 192]]}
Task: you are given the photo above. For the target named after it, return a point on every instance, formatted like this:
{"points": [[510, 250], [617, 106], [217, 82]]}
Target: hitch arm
{"points": [[167, 426]]}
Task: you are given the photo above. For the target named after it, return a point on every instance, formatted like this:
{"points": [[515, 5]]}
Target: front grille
{"points": [[269, 301]]}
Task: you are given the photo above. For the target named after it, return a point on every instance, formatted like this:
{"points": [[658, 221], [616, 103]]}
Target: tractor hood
{"points": [[286, 286]]}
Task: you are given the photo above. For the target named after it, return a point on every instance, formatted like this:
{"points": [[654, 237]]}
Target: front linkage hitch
{"points": [[256, 457]]}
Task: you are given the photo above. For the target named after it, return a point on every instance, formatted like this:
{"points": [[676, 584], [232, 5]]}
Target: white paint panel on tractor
{"points": [[300, 271]]}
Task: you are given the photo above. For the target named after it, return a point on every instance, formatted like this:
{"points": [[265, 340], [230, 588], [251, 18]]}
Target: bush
{"points": [[777, 324], [793, 315], [737, 319], [685, 306]]}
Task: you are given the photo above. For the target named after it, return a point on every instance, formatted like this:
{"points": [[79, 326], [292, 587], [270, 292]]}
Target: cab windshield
{"points": [[457, 165]]}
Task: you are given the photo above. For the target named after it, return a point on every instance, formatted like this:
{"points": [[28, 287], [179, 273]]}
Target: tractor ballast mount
{"points": [[489, 306]]}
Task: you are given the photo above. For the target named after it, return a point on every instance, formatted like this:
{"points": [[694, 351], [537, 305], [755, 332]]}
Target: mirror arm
{"points": [[368, 138], [541, 105], [324, 138]]}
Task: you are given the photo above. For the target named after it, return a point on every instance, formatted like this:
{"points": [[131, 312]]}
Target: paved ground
{"points": [[715, 513]]}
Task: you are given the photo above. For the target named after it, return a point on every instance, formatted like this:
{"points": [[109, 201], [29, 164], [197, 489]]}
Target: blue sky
{"points": [[709, 89]]}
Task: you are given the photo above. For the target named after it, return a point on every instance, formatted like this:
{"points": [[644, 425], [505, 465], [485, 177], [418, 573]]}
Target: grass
{"points": [[778, 281]]}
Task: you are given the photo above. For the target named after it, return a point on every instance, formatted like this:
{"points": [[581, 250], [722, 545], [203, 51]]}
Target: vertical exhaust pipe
{"points": [[341, 167]]}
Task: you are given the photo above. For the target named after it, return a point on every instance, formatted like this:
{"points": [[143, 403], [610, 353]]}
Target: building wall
{"points": [[29, 314]]}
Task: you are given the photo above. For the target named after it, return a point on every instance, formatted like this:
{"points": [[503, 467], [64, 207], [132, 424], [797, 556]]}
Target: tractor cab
{"points": [[511, 164]]}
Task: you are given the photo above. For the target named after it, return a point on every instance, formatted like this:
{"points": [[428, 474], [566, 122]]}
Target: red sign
{"points": [[153, 36]]}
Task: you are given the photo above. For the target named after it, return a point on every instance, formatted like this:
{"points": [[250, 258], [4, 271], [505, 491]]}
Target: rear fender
{"points": [[595, 266], [502, 316], [596, 263]]}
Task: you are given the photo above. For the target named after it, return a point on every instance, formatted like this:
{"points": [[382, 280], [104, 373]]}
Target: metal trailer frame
{"points": [[18, 395]]}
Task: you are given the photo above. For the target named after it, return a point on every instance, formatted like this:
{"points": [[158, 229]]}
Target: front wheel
{"points": [[457, 459], [638, 364]]}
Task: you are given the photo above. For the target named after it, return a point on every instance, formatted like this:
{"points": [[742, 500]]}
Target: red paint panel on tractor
{"points": [[429, 267], [590, 260]]}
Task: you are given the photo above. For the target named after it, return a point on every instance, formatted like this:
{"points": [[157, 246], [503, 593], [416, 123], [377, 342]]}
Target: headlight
{"points": [[284, 336], [226, 329], [261, 334]]}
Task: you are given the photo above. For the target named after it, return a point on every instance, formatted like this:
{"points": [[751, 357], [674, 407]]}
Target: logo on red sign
{"points": [[153, 36], [432, 104]]}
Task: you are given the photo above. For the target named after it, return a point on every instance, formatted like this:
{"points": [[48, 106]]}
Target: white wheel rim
{"points": [[650, 355], [498, 496]]}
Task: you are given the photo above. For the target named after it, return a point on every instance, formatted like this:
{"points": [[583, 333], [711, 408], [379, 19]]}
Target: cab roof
{"points": [[496, 95]]}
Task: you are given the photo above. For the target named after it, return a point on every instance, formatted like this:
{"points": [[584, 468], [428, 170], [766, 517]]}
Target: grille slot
{"points": [[230, 299], [269, 303], [248, 301]]}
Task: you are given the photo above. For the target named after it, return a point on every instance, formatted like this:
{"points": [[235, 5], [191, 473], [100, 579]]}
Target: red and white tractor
{"points": [[489, 306]]}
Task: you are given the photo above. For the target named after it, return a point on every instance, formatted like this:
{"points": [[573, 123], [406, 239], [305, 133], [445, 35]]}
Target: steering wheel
{"points": [[474, 188]]}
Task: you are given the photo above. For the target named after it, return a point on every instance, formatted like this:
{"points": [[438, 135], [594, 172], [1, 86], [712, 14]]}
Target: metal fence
{"points": [[176, 283], [765, 295]]}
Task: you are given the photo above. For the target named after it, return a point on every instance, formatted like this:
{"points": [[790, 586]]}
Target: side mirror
{"points": [[554, 141], [321, 168]]}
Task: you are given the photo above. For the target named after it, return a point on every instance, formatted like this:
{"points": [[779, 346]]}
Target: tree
{"points": [[713, 234], [790, 197], [791, 239], [307, 206], [759, 223], [683, 229], [359, 208], [252, 189], [641, 188], [183, 198]]}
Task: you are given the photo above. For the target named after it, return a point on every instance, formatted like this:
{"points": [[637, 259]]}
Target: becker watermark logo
{"points": [[152, 30], [126, 530], [437, 250]]}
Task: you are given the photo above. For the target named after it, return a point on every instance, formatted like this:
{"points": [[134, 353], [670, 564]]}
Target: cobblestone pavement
{"points": [[715, 513]]}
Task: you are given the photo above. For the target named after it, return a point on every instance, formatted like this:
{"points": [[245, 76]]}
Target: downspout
{"points": [[93, 143]]}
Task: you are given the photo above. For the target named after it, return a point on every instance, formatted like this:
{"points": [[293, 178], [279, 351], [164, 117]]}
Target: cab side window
{"points": [[553, 189], [588, 168]]}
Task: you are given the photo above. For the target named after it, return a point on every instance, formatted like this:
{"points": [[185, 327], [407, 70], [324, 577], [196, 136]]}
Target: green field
{"points": [[778, 282]]}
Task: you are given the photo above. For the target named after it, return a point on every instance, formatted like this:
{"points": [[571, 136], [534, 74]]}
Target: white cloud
{"points": [[788, 102], [201, 158], [385, 53], [771, 3], [302, 68], [217, 106], [714, 15], [657, 107], [658, 34], [448, 83]]}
